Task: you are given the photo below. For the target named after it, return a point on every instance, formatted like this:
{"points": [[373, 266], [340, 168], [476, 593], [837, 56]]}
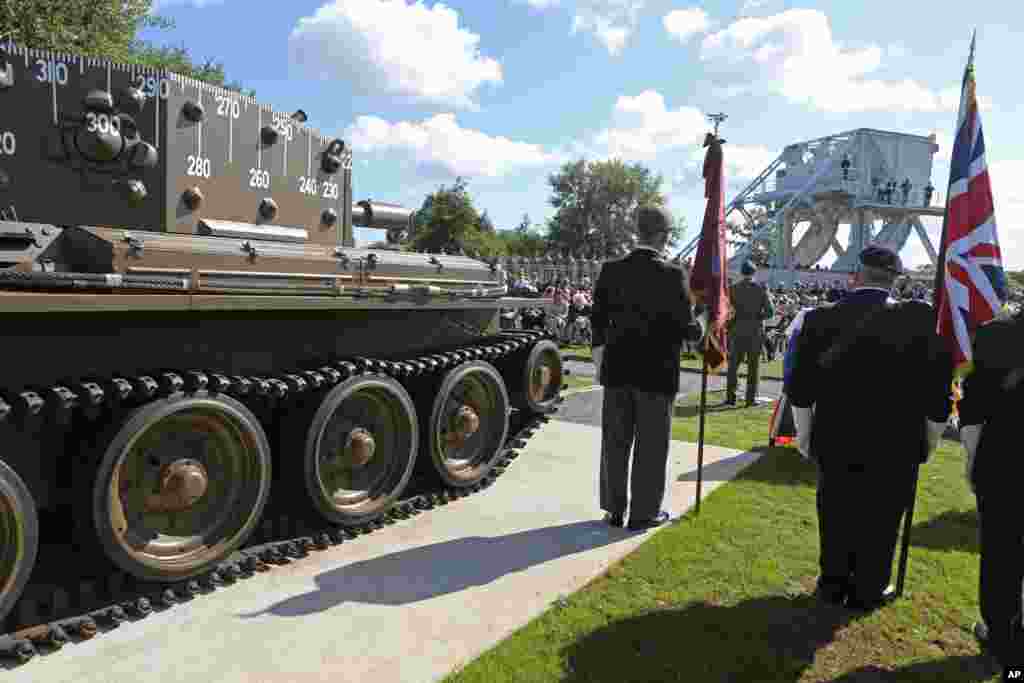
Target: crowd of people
{"points": [[570, 318]]}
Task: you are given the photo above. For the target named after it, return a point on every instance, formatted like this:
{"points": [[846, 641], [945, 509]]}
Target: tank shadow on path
{"points": [[437, 569]]}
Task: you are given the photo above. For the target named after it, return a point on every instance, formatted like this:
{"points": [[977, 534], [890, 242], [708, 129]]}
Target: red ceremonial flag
{"points": [[709, 280], [970, 284]]}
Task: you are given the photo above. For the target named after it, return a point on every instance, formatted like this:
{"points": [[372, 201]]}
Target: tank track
{"points": [[51, 615]]}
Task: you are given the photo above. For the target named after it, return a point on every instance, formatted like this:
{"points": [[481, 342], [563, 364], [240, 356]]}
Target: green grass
{"points": [[766, 370], [724, 597], [578, 381]]}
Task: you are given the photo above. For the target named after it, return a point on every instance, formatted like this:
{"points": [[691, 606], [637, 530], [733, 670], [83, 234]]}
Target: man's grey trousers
{"points": [[637, 421]]}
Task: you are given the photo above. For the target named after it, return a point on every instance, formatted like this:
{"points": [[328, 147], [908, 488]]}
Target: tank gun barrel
{"points": [[380, 216]]}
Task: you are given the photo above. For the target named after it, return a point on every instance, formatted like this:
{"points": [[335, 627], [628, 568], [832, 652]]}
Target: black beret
{"points": [[748, 268], [883, 259]]}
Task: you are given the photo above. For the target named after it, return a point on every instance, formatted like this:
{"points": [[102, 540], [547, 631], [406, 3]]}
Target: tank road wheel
{"points": [[180, 486], [468, 423], [360, 449], [542, 378], [19, 537]]}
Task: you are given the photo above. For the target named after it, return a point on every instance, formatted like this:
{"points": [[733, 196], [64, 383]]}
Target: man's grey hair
{"points": [[878, 277], [653, 223]]}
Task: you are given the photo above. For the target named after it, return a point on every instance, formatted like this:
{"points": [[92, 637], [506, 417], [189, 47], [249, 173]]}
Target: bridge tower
{"points": [[878, 182]]}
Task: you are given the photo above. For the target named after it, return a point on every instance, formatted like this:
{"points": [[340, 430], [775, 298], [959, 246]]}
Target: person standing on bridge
{"points": [[640, 317], [867, 355], [752, 306]]}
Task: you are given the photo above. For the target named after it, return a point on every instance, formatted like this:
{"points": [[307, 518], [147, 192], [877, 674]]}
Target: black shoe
{"points": [[984, 638], [640, 524], [729, 402], [981, 635], [830, 594], [871, 604], [614, 519]]}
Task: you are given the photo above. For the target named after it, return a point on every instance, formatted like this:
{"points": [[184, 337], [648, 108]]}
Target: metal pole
{"points": [[908, 520], [703, 407]]}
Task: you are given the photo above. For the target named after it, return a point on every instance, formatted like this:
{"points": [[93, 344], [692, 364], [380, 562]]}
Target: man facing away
{"points": [[751, 307], [990, 413], [641, 316], [867, 358]]}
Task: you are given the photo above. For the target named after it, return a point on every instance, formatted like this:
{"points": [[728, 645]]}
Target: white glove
{"points": [[598, 353], [935, 432], [970, 435], [702, 320], [803, 418]]}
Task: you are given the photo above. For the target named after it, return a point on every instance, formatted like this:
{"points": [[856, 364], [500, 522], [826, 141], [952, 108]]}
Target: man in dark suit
{"points": [[641, 316], [878, 379], [990, 433]]}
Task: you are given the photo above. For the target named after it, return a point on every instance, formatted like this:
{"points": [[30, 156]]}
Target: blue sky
{"points": [[503, 91]]}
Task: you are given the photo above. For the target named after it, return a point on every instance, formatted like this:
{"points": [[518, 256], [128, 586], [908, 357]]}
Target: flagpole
{"points": [[703, 406], [938, 296], [712, 308]]}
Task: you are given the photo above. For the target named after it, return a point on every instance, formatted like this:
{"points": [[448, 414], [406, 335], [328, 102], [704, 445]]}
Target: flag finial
{"points": [[717, 118], [970, 58]]}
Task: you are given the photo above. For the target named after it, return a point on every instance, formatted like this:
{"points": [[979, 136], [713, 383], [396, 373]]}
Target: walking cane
{"points": [[908, 518]]}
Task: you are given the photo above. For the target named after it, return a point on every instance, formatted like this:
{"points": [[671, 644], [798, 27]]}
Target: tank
{"points": [[197, 360]]}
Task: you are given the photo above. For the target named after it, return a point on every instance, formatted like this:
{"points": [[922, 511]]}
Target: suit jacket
{"points": [[641, 315], [871, 398], [992, 396], [752, 307]]}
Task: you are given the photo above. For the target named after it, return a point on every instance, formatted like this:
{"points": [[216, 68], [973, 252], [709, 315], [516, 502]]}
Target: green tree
{"points": [[595, 205], [524, 226], [485, 224], [524, 240], [740, 231], [102, 28], [448, 221], [177, 59]]}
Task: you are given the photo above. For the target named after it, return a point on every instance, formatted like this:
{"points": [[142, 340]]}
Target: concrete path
{"points": [[410, 603]]}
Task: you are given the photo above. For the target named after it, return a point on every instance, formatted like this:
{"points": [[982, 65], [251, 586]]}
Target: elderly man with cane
{"points": [[867, 355], [640, 318]]}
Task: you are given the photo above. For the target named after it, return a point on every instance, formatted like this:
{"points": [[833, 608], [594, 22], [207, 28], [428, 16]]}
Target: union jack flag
{"points": [[970, 285]]}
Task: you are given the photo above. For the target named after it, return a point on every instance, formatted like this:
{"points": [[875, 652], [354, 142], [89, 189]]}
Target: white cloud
{"points": [[644, 127], [682, 24], [1008, 199], [794, 55], [611, 21], [945, 143], [670, 141], [439, 147], [388, 47]]}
